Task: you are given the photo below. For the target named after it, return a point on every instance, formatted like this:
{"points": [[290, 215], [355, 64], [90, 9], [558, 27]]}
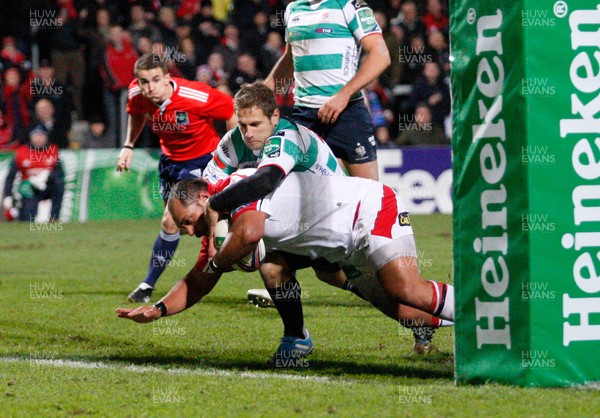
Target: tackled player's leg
{"points": [[422, 324], [285, 291], [402, 281]]}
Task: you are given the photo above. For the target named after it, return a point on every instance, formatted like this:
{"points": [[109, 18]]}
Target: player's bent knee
{"points": [[273, 275]]}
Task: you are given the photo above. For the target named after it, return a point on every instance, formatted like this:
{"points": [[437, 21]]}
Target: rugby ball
{"points": [[250, 262]]}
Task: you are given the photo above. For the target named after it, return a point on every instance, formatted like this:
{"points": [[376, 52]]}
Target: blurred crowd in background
{"points": [[65, 65]]}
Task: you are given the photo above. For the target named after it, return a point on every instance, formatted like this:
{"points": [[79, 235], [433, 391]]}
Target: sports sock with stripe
{"points": [[442, 304]]}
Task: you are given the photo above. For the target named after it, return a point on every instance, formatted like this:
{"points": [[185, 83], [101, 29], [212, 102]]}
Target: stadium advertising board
{"points": [[526, 188], [421, 175], [94, 190]]}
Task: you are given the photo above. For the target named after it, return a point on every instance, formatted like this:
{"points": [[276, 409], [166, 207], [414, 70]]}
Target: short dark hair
{"points": [[149, 62], [186, 191], [255, 94]]}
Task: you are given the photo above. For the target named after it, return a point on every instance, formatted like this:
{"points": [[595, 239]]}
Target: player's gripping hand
{"points": [[124, 161], [142, 315]]}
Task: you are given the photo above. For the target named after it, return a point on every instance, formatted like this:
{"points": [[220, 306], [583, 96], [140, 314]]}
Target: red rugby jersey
{"points": [[184, 123]]}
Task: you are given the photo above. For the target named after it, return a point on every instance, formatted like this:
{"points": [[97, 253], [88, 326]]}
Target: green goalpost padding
{"points": [[526, 191]]}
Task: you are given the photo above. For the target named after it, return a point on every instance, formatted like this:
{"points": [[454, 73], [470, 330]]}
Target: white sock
{"points": [[447, 312]]}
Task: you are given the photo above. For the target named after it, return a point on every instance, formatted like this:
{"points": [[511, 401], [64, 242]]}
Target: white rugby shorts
{"points": [[382, 232]]}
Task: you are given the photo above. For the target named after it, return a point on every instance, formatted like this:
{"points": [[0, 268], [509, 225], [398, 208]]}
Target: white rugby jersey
{"points": [[292, 147], [325, 39], [317, 216]]}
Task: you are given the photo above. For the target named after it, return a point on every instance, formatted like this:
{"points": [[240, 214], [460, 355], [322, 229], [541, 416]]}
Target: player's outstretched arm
{"points": [[186, 293], [282, 72], [189, 290], [135, 124], [375, 63]]}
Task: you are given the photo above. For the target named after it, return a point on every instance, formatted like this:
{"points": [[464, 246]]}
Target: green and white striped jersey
{"points": [[292, 147], [325, 39]]}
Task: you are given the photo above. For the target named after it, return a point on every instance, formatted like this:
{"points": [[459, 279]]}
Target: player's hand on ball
{"points": [[142, 315], [124, 161]]}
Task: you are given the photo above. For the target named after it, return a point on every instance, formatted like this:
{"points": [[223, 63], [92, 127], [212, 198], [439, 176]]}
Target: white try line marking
{"points": [[178, 371]]}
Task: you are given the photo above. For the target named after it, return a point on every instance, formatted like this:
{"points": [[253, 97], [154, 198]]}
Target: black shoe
{"points": [[140, 295], [423, 337]]}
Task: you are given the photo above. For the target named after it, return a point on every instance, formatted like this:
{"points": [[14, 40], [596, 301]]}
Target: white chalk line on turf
{"points": [[75, 364]]}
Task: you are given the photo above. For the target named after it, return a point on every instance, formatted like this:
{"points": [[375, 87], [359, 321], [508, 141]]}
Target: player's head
{"points": [[257, 114], [153, 77], [187, 203]]}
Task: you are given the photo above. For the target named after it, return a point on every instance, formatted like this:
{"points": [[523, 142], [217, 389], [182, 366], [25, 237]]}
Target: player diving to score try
{"points": [[351, 221]]}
